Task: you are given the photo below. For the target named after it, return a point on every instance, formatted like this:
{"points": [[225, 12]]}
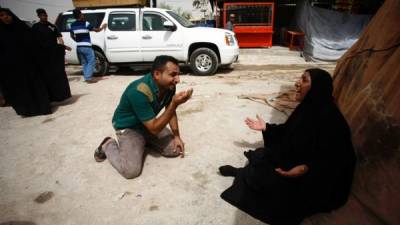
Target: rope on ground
{"points": [[283, 101]]}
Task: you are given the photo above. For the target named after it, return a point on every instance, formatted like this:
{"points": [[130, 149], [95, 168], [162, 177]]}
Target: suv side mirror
{"points": [[169, 25]]}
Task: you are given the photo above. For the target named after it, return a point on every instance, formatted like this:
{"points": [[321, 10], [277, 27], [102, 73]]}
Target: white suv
{"points": [[135, 36]]}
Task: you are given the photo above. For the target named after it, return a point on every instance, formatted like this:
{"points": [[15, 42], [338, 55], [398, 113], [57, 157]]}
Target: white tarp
{"points": [[328, 33]]}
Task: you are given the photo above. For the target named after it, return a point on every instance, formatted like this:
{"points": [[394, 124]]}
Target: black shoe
{"points": [[91, 81], [228, 171], [99, 154], [247, 154]]}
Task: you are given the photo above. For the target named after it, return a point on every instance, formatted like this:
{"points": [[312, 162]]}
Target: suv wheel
{"points": [[204, 61], [102, 64]]}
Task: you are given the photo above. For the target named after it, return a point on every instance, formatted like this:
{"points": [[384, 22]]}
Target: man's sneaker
{"points": [[91, 81], [99, 154]]}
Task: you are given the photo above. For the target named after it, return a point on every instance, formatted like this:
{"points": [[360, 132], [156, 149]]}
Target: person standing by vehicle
{"points": [[80, 33], [230, 24], [52, 52], [21, 82]]}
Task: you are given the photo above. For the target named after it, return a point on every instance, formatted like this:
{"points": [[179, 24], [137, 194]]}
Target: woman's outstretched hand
{"points": [[258, 124], [296, 171]]}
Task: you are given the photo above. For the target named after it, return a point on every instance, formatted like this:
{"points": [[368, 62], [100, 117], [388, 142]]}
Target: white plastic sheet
{"points": [[328, 33]]}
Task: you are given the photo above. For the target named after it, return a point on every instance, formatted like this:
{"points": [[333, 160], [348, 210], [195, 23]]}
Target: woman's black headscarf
{"points": [[17, 34], [301, 124], [319, 95], [15, 20], [321, 88]]}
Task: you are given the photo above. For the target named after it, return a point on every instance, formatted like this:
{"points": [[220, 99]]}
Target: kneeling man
{"points": [[136, 123]]}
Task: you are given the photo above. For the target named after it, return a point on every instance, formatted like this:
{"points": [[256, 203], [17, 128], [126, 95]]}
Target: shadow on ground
{"points": [[18, 223], [73, 99], [247, 145]]}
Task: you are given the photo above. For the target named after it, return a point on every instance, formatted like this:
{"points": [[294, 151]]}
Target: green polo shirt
{"points": [[139, 104]]}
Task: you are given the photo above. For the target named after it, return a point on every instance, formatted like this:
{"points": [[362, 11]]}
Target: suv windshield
{"points": [[183, 21]]}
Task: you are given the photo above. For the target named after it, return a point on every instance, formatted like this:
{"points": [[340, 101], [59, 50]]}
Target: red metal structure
{"points": [[253, 23]]}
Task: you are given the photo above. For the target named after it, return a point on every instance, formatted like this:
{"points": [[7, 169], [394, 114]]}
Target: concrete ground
{"points": [[48, 175]]}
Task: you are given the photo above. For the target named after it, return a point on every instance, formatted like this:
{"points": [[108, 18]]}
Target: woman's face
{"points": [[303, 85], [5, 17]]}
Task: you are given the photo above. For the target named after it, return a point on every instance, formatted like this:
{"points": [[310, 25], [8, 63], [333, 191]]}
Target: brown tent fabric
{"points": [[367, 90]]}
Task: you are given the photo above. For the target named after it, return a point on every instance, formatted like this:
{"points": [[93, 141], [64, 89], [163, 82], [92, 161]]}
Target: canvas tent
{"points": [[367, 81], [328, 33]]}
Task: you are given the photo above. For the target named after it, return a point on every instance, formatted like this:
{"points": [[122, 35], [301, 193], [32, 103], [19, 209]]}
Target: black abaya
{"points": [[317, 135], [52, 65], [20, 79]]}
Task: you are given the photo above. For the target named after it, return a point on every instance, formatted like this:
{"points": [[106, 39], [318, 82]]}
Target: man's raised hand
{"points": [[182, 97]]}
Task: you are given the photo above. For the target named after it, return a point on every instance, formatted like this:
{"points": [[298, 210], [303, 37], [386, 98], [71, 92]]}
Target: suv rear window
{"points": [[63, 22]]}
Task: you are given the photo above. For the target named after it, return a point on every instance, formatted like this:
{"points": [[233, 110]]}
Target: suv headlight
{"points": [[229, 39]]}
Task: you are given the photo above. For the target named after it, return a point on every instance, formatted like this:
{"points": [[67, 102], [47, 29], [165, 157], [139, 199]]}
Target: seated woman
{"points": [[306, 165]]}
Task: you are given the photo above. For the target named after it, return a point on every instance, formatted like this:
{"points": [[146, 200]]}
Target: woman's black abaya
{"points": [[317, 135], [20, 80]]}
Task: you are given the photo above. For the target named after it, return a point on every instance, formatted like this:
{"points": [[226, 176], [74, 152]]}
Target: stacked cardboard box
{"points": [[107, 3]]}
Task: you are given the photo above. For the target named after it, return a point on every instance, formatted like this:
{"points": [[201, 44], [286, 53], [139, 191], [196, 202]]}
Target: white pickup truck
{"points": [[135, 36]]}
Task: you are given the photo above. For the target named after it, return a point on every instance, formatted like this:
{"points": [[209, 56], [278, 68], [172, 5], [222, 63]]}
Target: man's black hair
{"points": [[76, 13], [6, 10], [161, 61], [40, 11]]}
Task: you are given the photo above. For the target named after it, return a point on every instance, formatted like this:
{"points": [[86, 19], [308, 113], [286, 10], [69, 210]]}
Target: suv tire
{"points": [[102, 65], [203, 61]]}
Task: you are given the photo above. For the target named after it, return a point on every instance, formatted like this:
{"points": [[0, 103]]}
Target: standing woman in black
{"points": [[306, 165], [52, 55], [20, 80]]}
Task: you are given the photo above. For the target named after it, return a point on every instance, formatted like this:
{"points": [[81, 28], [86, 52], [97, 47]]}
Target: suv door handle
{"points": [[146, 37], [112, 37]]}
